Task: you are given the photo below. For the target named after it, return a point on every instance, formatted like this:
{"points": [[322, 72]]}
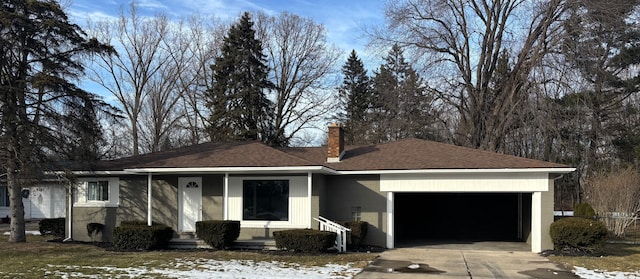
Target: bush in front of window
{"points": [[217, 233], [136, 235], [358, 232], [305, 240], [53, 227], [577, 233]]}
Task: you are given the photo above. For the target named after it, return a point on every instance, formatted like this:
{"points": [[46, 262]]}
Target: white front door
{"points": [[189, 203]]}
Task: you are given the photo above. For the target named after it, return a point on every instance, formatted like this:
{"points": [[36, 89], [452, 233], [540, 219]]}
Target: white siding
{"points": [[299, 207], [44, 201], [465, 182]]}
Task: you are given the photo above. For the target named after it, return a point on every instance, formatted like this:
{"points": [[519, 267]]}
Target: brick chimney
{"points": [[335, 145]]}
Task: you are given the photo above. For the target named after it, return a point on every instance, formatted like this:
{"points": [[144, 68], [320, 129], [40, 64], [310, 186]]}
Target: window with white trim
{"points": [[265, 200], [97, 192]]}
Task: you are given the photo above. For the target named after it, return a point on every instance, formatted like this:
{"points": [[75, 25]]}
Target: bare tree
{"points": [[615, 196], [301, 62], [205, 37], [462, 43], [141, 57]]}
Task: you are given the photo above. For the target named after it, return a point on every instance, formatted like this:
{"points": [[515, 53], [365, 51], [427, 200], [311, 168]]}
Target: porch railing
{"points": [[341, 232]]}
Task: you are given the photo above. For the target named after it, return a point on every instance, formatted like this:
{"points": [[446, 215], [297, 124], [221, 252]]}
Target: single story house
{"points": [[406, 190], [45, 200]]}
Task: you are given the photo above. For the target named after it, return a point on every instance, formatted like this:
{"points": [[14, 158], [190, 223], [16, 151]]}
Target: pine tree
{"points": [[402, 106], [355, 100], [237, 101], [39, 48]]}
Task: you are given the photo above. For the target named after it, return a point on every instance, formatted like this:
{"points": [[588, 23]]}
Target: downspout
{"points": [[149, 201], [70, 214], [310, 197], [225, 206]]}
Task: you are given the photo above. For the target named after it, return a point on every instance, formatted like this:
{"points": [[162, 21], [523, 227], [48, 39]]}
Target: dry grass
{"points": [[35, 258], [613, 257]]}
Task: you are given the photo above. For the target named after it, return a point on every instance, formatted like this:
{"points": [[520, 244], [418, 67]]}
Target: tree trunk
{"points": [[17, 227]]}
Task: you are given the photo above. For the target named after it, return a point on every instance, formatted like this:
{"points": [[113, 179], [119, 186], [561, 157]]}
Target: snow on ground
{"points": [[206, 268], [26, 232], [597, 274]]}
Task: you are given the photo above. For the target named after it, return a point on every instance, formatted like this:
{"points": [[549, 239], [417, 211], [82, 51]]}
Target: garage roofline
{"points": [[437, 171]]}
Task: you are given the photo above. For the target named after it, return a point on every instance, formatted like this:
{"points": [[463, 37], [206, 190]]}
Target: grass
{"points": [[38, 258], [613, 256]]}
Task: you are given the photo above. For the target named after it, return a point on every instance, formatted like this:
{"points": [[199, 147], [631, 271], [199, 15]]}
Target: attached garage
{"points": [[462, 217], [470, 205]]}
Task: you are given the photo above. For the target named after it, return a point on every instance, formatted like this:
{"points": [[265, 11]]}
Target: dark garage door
{"points": [[460, 216]]}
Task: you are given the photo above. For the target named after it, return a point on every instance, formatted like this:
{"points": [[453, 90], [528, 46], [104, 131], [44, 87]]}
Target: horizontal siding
{"points": [[299, 206], [465, 182]]}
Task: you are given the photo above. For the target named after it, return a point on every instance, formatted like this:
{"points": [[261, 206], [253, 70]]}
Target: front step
{"points": [[245, 244], [255, 244], [193, 243]]}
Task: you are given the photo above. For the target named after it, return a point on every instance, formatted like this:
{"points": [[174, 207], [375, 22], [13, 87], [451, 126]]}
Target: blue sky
{"points": [[344, 20]]}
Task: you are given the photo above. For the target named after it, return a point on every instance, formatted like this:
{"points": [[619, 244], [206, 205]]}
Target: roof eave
{"points": [[257, 170], [563, 170]]}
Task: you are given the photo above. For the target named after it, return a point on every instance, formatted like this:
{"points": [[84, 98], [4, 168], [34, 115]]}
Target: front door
{"points": [[190, 203]]}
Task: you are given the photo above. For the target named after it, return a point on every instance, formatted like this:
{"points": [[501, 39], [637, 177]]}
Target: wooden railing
{"points": [[341, 232]]}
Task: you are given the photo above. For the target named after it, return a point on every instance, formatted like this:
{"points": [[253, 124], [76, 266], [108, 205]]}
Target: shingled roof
{"points": [[407, 154]]}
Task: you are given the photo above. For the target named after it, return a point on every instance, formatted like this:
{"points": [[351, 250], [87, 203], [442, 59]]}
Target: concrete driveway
{"points": [[477, 260]]}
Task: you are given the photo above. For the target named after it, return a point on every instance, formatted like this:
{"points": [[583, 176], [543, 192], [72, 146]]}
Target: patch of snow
{"points": [[562, 213], [599, 274], [207, 268], [26, 232]]}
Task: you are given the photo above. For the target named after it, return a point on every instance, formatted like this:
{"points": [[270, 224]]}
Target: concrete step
{"points": [[181, 243], [255, 244]]}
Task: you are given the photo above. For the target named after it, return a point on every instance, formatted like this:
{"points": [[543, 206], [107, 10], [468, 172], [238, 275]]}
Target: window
{"points": [[265, 200], [356, 213], [4, 196], [98, 190]]}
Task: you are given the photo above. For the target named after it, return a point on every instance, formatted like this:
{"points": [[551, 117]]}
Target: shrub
{"points": [[132, 236], [358, 231], [53, 226], [305, 240], [219, 234], [584, 210], [94, 229], [578, 233]]}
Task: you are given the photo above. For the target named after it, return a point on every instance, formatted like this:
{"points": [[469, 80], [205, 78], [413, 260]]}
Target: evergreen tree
{"points": [[237, 101], [355, 100], [402, 106], [39, 49]]}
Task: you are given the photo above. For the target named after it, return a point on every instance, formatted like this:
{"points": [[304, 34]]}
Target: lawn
{"points": [[38, 258], [623, 255]]}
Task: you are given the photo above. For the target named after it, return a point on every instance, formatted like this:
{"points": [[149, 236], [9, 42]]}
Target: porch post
{"points": [[149, 200], [390, 220], [310, 199], [225, 206]]}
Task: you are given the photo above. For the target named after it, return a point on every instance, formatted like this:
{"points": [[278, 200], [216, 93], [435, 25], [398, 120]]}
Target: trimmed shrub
{"points": [[132, 236], [305, 240], [584, 210], [217, 233], [52, 226], [358, 231], [94, 228], [578, 233]]}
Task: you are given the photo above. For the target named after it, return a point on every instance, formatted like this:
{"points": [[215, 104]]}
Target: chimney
{"points": [[335, 145]]}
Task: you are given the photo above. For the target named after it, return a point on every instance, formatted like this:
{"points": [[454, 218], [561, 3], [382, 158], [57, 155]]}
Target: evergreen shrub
{"points": [[305, 240], [52, 226], [578, 234], [136, 235], [217, 233]]}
